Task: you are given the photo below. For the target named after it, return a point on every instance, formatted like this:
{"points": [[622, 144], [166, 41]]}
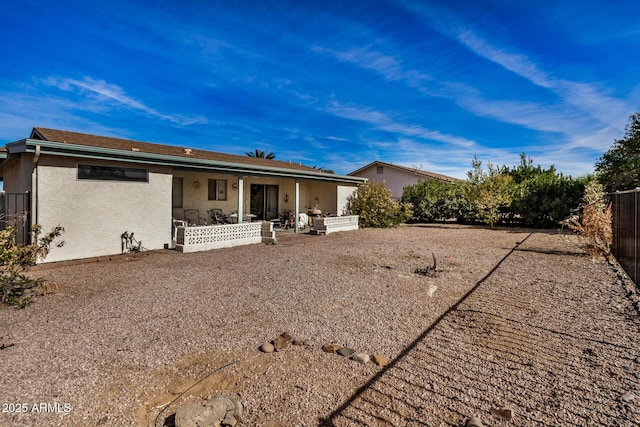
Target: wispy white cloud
{"points": [[514, 62], [104, 92], [590, 98], [388, 66], [386, 123], [587, 97], [336, 138]]}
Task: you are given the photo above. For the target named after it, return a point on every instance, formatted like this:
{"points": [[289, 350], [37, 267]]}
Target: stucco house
{"points": [[98, 187], [396, 177]]}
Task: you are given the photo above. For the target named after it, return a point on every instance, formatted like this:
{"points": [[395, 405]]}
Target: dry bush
{"points": [[595, 224]]}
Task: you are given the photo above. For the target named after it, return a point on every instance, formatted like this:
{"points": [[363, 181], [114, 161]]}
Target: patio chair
{"points": [[217, 217], [193, 218], [289, 220]]}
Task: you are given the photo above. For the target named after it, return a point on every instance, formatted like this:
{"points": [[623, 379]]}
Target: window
{"points": [[111, 173], [176, 193], [380, 170], [217, 189]]}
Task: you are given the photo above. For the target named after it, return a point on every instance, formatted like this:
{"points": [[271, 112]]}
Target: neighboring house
{"points": [[396, 177], [98, 187]]}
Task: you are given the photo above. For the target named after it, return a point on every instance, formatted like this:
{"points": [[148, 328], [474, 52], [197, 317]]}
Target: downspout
{"points": [[34, 188]]}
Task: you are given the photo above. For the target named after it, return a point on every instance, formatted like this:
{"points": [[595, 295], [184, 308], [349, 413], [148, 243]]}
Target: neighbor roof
{"points": [[60, 142], [415, 171]]}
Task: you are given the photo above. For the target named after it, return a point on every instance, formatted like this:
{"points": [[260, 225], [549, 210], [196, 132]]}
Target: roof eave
{"points": [[84, 151]]}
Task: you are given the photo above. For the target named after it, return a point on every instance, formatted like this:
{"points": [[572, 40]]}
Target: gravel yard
{"points": [[520, 320]]}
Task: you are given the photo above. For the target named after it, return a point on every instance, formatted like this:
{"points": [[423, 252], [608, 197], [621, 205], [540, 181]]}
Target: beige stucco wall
{"points": [[395, 180], [95, 213], [195, 193], [17, 174]]}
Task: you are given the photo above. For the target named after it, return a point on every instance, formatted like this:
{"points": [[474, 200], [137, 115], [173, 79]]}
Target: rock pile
{"points": [[221, 411], [281, 342], [352, 354]]}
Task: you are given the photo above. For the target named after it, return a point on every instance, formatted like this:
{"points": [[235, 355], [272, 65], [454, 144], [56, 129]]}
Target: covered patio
{"points": [[98, 187], [215, 210]]}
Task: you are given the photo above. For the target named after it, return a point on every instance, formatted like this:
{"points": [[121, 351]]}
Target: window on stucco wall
{"points": [[217, 189]]}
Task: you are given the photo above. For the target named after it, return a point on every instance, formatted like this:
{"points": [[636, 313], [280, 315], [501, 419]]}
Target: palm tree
{"points": [[323, 169], [261, 154]]}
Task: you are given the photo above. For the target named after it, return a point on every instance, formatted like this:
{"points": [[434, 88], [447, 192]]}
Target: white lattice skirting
{"points": [[194, 239], [335, 223]]}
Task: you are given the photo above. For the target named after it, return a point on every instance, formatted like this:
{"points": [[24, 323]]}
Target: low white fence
{"points": [[204, 238], [331, 224]]}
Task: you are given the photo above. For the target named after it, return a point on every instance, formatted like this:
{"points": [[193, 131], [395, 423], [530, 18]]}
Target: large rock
{"points": [[474, 422], [221, 411], [360, 357], [280, 343], [502, 413], [380, 359], [345, 351], [330, 348], [287, 336], [267, 347]]}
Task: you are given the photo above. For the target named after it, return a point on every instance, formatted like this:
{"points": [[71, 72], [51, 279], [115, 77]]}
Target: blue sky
{"points": [[331, 84]]}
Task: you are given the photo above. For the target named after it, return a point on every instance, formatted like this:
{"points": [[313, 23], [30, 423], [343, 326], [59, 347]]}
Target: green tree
{"points": [[489, 191], [432, 200], [373, 203], [323, 169], [261, 154], [619, 168], [542, 197]]}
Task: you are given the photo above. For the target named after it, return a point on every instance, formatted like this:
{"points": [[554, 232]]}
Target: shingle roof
{"points": [[406, 169], [77, 138]]}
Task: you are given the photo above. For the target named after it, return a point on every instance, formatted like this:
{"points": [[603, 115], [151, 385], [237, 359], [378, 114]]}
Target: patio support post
{"points": [[296, 204], [240, 197]]}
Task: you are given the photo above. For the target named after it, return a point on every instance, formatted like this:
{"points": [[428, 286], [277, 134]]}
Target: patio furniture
{"points": [[193, 218], [217, 217], [175, 223], [288, 219], [245, 217]]}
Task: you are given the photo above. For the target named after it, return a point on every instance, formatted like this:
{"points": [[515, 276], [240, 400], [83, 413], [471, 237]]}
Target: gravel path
{"points": [[549, 334]]}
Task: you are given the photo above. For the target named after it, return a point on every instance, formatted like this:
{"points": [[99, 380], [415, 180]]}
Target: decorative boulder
{"points": [[380, 359], [345, 351], [221, 411], [280, 343], [330, 348], [267, 347], [360, 357]]}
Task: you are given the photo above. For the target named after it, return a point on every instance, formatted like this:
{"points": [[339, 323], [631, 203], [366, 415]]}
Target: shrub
{"points": [[542, 197], [373, 203], [595, 224], [432, 200], [15, 259], [489, 192]]}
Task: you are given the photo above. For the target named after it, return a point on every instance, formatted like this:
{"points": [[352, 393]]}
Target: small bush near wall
{"points": [[594, 224], [373, 203], [16, 288]]}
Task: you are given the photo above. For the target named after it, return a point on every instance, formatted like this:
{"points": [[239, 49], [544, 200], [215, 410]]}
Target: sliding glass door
{"points": [[264, 201]]}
